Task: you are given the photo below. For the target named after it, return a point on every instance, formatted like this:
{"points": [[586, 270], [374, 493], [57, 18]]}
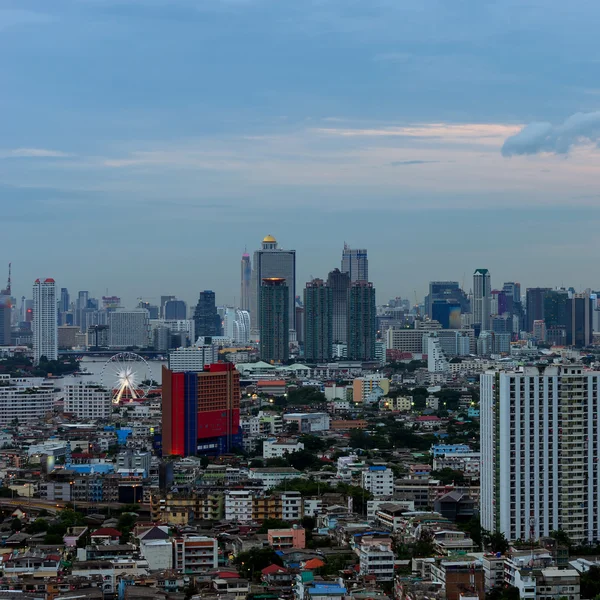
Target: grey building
{"points": [[355, 263], [274, 320], [362, 321], [318, 321], [339, 283]]}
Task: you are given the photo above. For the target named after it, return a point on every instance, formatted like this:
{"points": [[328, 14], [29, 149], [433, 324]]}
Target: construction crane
{"points": [[7, 291]]}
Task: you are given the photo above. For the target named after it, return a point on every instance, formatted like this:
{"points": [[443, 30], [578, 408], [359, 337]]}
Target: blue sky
{"points": [[145, 143]]}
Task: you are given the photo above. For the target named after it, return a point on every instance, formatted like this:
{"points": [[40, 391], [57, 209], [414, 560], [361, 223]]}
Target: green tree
{"points": [[16, 524], [448, 476], [503, 593], [424, 546], [309, 523], [273, 524], [590, 583], [561, 537], [38, 526], [251, 563], [496, 541]]}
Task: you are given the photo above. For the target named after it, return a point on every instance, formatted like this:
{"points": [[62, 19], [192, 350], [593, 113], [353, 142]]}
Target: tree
{"points": [[255, 560], [503, 593], [16, 524], [38, 526], [496, 541], [561, 537], [273, 524], [424, 547], [309, 523], [590, 582], [448, 476], [302, 460]]}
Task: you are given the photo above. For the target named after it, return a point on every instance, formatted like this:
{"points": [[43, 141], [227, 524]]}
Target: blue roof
{"points": [[326, 588], [377, 468]]}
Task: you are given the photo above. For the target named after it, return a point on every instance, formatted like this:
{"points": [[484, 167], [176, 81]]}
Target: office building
{"points": [[339, 283], [482, 305], [355, 263], [45, 320], [246, 279], [449, 291], [201, 411], [163, 301], [534, 306], [447, 313], [236, 325], [129, 328], [274, 320], [539, 331], [539, 452], [272, 262], [175, 310], [5, 320], [206, 318], [318, 321], [579, 321], [362, 321], [68, 336], [87, 401], [555, 308], [192, 359]]}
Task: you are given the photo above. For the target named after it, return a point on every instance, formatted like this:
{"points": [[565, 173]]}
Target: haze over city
{"points": [[145, 144]]}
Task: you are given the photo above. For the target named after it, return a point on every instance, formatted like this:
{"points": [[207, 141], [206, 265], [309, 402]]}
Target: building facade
{"points": [[482, 299], [192, 359], [274, 320], [246, 279], [318, 321], [339, 283], [87, 401], [129, 328], [206, 318], [355, 263], [362, 321], [45, 320]]}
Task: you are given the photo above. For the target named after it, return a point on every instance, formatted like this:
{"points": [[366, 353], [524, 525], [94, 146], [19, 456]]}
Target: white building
{"points": [[291, 506], [194, 358], [274, 448], [308, 422], [540, 467], [378, 480], [45, 324], [377, 558], [436, 359], [23, 403], [238, 506], [273, 476], [196, 554], [129, 328], [236, 325], [87, 401]]}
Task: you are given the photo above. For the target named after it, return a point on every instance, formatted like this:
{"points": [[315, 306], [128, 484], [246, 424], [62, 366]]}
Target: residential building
{"points": [[318, 321], [45, 320], [376, 557], [273, 476], [68, 336], [238, 505], [309, 422], [193, 359], [246, 282], [272, 262], [274, 320], [201, 411], [87, 401], [274, 448], [195, 554], [458, 574], [482, 290], [281, 539], [362, 321], [364, 387], [339, 283], [24, 402], [579, 320], [538, 439], [378, 480], [206, 318], [437, 362], [129, 328], [355, 263]]}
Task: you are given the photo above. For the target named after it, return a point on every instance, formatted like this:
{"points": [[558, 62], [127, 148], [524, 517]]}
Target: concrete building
{"points": [[87, 401], [274, 448], [193, 359], [129, 328], [23, 401], [355, 264], [318, 321], [339, 283], [274, 320], [308, 422], [378, 480], [376, 557], [273, 476], [246, 282], [281, 539], [363, 387], [45, 320], [482, 299], [538, 439], [437, 361], [196, 554], [362, 321], [272, 262], [238, 506], [67, 336]]}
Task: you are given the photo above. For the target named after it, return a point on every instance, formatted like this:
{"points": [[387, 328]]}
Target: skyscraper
{"points": [[447, 313], [175, 310], [482, 300], [318, 321], [5, 320], [129, 328], [539, 451], [355, 263], [274, 320], [339, 283], [446, 290], [362, 321], [579, 320], [246, 278], [272, 261], [534, 305], [65, 300], [45, 325], [555, 308], [201, 411], [206, 318]]}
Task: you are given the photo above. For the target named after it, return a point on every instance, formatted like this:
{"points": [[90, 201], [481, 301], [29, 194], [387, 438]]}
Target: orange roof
{"points": [[314, 563], [271, 382]]}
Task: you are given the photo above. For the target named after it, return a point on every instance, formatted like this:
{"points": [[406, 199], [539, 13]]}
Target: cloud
{"points": [[538, 137], [34, 153], [402, 163]]}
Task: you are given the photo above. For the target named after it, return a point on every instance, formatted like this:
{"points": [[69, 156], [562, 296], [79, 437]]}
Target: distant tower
{"points": [[45, 328], [274, 320], [206, 318], [355, 263], [6, 312], [245, 282], [272, 261], [362, 321], [318, 321], [339, 283], [482, 299]]}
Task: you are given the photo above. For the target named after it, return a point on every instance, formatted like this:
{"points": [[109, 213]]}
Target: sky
{"points": [[144, 144]]}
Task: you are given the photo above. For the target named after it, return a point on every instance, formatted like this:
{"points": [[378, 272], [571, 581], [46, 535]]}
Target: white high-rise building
{"points": [[436, 358], [193, 359], [482, 298], [540, 467], [87, 401], [378, 480], [129, 328], [45, 320]]}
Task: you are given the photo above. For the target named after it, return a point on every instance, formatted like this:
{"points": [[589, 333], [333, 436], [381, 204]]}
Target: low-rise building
{"points": [[274, 448], [376, 557], [379, 480], [308, 422], [195, 554], [280, 539], [273, 476], [87, 401]]}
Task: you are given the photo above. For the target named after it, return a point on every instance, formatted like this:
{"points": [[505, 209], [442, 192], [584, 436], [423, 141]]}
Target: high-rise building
{"points": [[192, 359], [339, 283], [246, 279], [512, 289], [274, 320], [206, 317], [201, 411], [272, 262], [45, 323], [318, 321], [482, 300], [534, 305], [447, 313], [540, 451], [163, 301], [449, 291], [87, 401], [129, 328], [579, 320], [65, 300], [175, 310], [362, 321], [5, 320], [355, 263], [555, 308]]}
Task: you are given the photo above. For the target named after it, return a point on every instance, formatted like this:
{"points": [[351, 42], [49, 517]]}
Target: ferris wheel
{"points": [[128, 376]]}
